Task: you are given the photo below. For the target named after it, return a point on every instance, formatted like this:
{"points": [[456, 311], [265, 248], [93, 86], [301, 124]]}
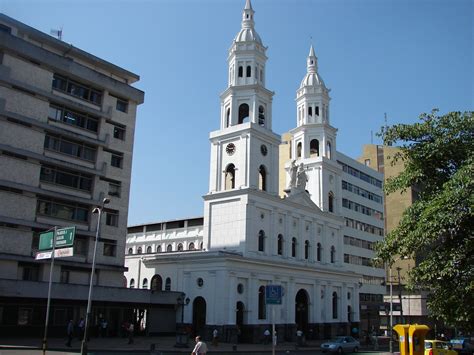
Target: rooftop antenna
{"points": [[386, 122], [57, 33], [371, 137]]}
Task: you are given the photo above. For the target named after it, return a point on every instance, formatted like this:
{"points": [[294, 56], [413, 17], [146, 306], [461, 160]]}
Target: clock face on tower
{"points": [[230, 148], [263, 149]]}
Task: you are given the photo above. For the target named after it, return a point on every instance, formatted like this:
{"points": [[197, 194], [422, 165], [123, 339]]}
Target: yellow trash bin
{"points": [[416, 338]]}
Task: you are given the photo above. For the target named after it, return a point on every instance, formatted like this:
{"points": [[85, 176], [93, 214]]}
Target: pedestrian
{"points": [[70, 332], [266, 337], [103, 328], [80, 325], [200, 348], [131, 329], [215, 337]]}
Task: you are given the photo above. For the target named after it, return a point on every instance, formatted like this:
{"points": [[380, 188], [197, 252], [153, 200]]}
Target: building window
{"points": [[333, 254], [77, 89], [110, 247], [280, 245], [119, 132], [306, 249], [80, 246], [249, 71], [115, 188], [227, 119], [73, 118], [180, 247], [139, 250], [241, 71], [230, 177], [169, 248], [261, 240], [318, 252], [201, 245], [328, 150], [200, 282], [64, 276], [261, 116], [168, 284], [158, 249], [156, 283], [130, 251], [314, 148], [64, 177], [62, 209], [148, 249], [25, 316], [112, 218], [132, 283], [69, 147], [116, 160], [122, 105], [262, 312], [191, 246], [5, 29], [331, 202], [244, 113], [367, 162], [298, 150], [293, 247], [262, 178], [145, 283], [334, 305]]}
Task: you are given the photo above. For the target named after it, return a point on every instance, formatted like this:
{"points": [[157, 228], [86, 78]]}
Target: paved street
{"points": [[145, 345]]}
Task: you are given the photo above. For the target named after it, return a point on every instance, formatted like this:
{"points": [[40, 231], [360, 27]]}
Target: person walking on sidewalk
{"points": [[215, 337], [70, 332], [200, 348], [131, 329]]}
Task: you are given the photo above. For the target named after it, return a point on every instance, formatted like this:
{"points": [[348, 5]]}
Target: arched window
{"points": [[314, 148], [168, 284], [158, 249], [349, 314], [298, 150], [261, 116], [201, 246], [156, 283], [328, 150], [139, 250], [132, 283], [261, 75], [230, 177], [249, 71], [244, 113], [261, 240], [333, 254], [262, 178], [130, 250], [262, 314], [293, 247], [241, 71], [180, 247], [310, 111], [306, 249], [148, 249], [280, 245], [318, 252], [145, 283], [169, 248], [191, 246], [317, 111], [227, 118], [334, 305], [331, 202]]}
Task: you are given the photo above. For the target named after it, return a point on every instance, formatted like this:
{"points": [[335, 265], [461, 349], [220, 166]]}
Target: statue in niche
{"points": [[301, 178]]}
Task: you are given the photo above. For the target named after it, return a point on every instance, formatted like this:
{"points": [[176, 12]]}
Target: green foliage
{"points": [[437, 229]]}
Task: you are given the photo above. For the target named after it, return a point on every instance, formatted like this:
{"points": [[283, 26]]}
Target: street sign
{"points": [[64, 238], [273, 294], [58, 253]]}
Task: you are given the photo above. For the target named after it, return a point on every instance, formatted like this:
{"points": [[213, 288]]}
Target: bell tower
{"points": [[244, 151], [314, 139]]}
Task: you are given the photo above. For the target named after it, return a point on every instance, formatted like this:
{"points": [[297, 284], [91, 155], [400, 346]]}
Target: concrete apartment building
{"points": [[361, 199], [409, 306], [67, 121]]}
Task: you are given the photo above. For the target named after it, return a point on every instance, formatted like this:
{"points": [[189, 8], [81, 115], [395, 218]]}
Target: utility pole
{"points": [[400, 293]]}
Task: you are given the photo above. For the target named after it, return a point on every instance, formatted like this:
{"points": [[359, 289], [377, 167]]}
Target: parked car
{"points": [[340, 345], [463, 345], [438, 347]]}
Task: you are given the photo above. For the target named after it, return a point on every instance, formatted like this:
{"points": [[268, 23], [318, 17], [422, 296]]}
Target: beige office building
{"points": [[67, 121]]}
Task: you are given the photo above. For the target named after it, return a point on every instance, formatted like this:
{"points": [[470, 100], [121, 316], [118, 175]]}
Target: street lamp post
{"points": [[391, 297], [181, 335], [89, 298]]}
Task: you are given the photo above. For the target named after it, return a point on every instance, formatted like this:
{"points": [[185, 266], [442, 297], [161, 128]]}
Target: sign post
{"points": [[50, 240], [273, 296]]}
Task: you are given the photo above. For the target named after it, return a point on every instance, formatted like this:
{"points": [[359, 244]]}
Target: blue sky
{"points": [[378, 56]]}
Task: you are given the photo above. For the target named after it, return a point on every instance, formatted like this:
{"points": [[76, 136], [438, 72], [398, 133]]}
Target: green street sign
{"points": [[64, 238]]}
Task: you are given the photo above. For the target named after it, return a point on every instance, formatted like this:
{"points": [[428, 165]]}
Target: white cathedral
{"points": [[250, 236]]}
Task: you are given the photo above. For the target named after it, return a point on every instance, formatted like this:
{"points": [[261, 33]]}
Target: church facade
{"points": [[250, 236]]}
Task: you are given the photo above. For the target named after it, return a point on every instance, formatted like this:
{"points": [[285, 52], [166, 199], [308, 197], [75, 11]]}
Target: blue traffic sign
{"points": [[273, 294]]}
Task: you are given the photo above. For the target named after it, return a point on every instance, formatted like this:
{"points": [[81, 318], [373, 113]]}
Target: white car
{"points": [[340, 345]]}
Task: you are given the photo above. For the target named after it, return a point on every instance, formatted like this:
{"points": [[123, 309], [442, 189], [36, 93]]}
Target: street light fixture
{"points": [[182, 336], [89, 298], [391, 297]]}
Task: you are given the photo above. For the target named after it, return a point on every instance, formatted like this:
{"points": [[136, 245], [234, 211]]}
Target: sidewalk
{"points": [[159, 344]]}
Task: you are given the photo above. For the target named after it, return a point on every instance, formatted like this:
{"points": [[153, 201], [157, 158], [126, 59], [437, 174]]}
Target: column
{"points": [[232, 282], [343, 317]]}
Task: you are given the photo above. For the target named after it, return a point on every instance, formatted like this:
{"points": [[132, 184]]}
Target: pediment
{"points": [[301, 197]]}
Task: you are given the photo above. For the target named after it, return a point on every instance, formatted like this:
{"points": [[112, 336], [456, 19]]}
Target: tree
{"points": [[437, 229]]}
